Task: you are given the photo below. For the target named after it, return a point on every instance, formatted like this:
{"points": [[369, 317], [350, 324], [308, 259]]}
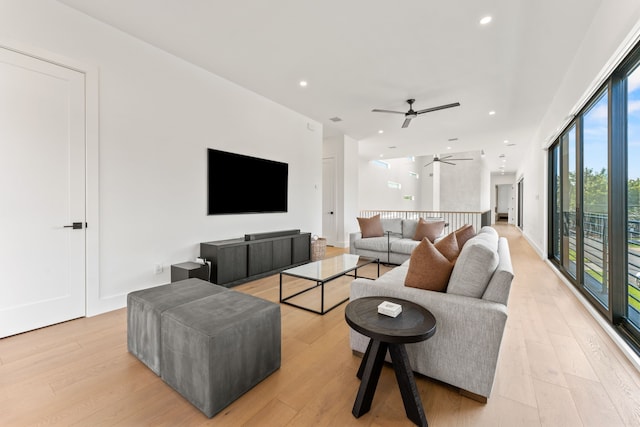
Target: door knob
{"points": [[75, 226]]}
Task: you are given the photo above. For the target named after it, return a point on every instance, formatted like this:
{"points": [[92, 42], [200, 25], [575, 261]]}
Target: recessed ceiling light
{"points": [[381, 155], [448, 148], [491, 113], [380, 131], [506, 141], [303, 83], [485, 20]]}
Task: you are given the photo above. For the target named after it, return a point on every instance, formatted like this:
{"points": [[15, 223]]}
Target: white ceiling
{"points": [[362, 54]]}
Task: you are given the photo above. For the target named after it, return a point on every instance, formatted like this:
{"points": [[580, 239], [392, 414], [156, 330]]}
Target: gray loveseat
{"points": [[470, 316], [394, 247]]}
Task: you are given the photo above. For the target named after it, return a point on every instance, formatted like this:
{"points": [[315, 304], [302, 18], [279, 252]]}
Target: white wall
{"points": [[425, 202], [157, 116], [374, 191], [464, 187], [534, 220]]}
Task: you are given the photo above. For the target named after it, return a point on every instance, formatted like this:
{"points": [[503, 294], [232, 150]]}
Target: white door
{"points": [[329, 223], [42, 190]]}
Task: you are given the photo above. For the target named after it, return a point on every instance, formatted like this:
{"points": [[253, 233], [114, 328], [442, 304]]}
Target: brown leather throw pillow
{"points": [[371, 227], [429, 229], [430, 266], [464, 233]]}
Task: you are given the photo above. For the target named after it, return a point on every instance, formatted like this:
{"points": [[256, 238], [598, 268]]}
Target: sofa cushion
{"points": [[473, 269], [428, 268], [379, 244], [464, 233], [428, 229], [371, 227], [393, 225], [403, 246], [489, 236], [500, 283], [409, 228]]}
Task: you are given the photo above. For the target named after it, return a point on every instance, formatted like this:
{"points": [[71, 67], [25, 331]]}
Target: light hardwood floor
{"points": [[557, 368]]}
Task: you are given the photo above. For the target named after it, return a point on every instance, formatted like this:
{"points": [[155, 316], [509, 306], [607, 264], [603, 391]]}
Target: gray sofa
{"points": [[471, 315], [392, 248]]}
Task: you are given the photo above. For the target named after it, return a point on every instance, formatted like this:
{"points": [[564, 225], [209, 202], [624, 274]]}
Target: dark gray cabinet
{"points": [[236, 261]]}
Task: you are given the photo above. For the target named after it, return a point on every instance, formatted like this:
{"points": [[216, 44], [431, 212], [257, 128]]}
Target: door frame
{"points": [[92, 161], [520, 208], [331, 240]]}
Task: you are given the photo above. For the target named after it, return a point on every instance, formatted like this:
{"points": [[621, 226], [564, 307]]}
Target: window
{"points": [[633, 198], [594, 200], [595, 196]]}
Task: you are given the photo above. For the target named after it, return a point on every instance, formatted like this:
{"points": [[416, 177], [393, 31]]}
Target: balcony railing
{"points": [[454, 219], [595, 255]]}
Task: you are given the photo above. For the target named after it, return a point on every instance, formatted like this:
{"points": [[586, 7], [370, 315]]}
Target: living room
{"points": [[150, 117]]}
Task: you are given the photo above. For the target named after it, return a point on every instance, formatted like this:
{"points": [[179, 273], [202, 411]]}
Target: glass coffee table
{"points": [[321, 272]]}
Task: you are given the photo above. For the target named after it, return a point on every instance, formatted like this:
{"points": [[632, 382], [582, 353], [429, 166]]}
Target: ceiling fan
{"points": [[446, 159], [412, 114]]}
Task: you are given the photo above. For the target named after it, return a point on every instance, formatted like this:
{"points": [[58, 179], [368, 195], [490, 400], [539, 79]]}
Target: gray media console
{"points": [[240, 260]]}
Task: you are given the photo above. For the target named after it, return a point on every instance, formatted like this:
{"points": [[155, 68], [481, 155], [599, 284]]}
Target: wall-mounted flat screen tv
{"points": [[243, 184]]}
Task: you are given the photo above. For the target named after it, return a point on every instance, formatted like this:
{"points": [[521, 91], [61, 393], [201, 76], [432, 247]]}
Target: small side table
{"points": [[189, 270], [414, 324]]}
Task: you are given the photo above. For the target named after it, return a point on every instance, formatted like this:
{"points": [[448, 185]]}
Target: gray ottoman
{"points": [[144, 308], [217, 348]]}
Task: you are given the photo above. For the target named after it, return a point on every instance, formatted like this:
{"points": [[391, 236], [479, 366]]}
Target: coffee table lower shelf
{"points": [[324, 271]]}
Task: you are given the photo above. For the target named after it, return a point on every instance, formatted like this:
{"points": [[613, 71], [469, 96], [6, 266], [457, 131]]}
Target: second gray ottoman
{"points": [[144, 308], [217, 348]]}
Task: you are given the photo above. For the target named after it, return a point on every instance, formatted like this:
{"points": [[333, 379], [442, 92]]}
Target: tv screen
{"points": [[243, 184]]}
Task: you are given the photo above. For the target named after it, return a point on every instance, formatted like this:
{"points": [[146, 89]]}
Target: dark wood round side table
{"points": [[414, 324]]}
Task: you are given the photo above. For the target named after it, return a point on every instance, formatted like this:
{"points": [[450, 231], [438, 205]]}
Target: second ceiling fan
{"points": [[412, 114], [446, 159]]}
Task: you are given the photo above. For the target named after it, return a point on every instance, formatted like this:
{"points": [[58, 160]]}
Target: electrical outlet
{"points": [[158, 269]]}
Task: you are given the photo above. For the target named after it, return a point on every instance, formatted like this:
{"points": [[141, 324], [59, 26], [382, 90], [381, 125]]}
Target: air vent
{"points": [[335, 119]]}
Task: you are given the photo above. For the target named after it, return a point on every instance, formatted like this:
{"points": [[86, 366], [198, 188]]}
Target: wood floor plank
{"points": [[593, 403], [556, 405], [571, 357]]}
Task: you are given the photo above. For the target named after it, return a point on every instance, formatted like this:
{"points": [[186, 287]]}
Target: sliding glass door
{"points": [[569, 203], [595, 196], [633, 198], [594, 200]]}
